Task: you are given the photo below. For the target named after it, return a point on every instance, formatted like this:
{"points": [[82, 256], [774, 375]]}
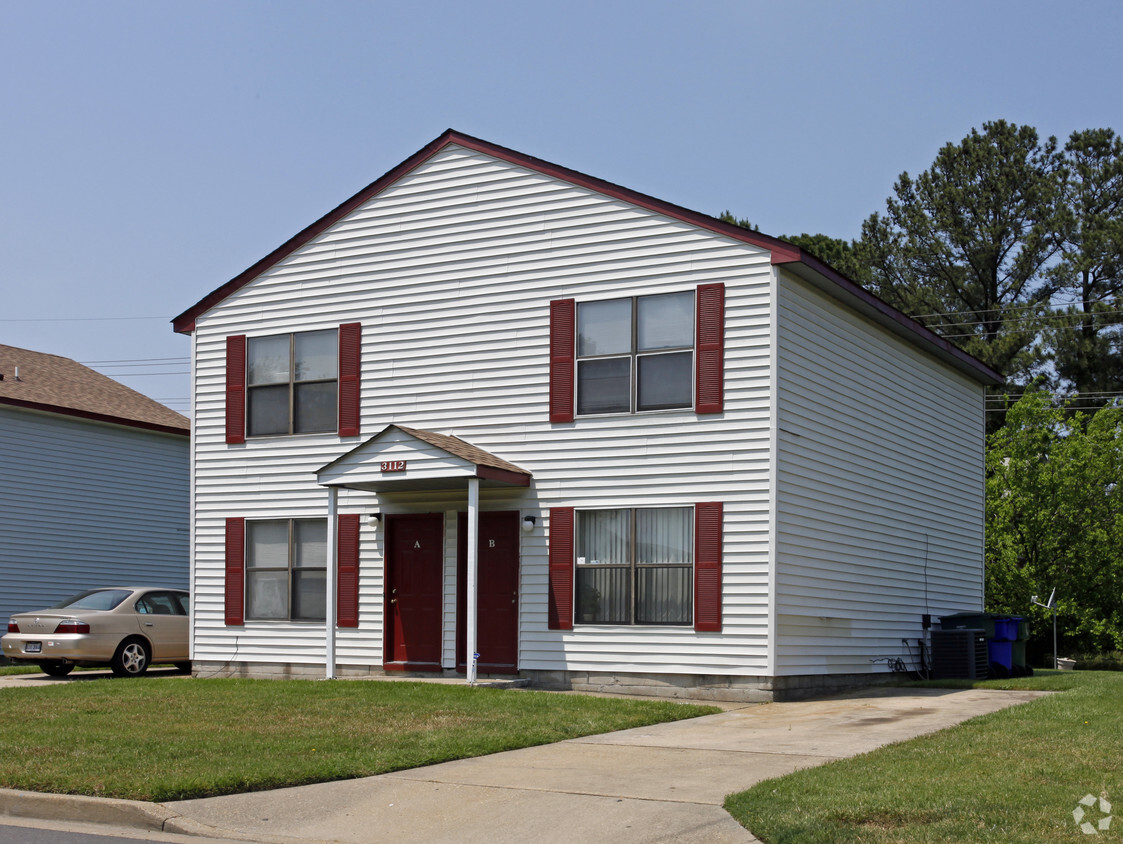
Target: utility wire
{"points": [[1033, 318], [83, 319], [1012, 308], [137, 361]]}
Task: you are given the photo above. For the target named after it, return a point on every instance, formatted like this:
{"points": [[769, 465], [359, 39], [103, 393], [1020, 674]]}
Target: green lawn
{"points": [[1013, 776], [18, 669], [174, 738]]}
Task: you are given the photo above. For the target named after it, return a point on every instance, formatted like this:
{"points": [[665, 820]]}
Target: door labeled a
{"points": [[414, 553]]}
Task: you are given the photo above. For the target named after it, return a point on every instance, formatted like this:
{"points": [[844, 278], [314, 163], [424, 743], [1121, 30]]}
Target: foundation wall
{"points": [[699, 687]]}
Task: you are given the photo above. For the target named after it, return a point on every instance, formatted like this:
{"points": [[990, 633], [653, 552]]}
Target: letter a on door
{"points": [[417, 543]]}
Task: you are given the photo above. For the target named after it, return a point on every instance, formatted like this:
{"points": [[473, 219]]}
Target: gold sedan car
{"points": [[126, 628]]}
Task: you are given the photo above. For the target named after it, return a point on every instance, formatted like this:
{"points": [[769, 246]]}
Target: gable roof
{"points": [[449, 461], [56, 384], [802, 263]]}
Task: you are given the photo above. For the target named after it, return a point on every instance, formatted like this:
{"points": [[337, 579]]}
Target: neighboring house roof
{"points": [[800, 262], [59, 385]]}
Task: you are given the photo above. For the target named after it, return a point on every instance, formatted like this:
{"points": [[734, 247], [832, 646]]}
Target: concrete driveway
{"points": [[661, 783]]}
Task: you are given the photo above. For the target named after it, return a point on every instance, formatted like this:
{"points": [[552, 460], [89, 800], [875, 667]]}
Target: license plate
{"points": [[33, 648]]}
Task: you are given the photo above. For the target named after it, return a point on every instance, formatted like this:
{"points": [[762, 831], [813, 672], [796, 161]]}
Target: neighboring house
{"points": [[667, 453], [93, 483]]}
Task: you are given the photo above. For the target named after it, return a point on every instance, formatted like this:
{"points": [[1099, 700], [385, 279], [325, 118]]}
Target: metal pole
{"points": [[1056, 656], [473, 564], [333, 574]]}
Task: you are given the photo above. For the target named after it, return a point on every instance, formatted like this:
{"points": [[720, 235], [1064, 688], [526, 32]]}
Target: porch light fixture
{"points": [[374, 519], [528, 523]]}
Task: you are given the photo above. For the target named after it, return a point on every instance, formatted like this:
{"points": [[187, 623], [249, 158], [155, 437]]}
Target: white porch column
{"points": [[473, 564], [333, 576]]}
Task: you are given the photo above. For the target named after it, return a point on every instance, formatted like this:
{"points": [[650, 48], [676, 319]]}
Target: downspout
{"points": [[333, 576], [473, 564]]}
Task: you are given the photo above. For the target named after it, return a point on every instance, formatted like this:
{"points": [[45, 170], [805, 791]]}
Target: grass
{"points": [[1012, 776], [18, 669], [172, 739]]}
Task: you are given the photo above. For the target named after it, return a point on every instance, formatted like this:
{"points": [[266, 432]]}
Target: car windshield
{"points": [[96, 599]]}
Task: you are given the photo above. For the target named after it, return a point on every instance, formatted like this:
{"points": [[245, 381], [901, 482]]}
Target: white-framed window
{"points": [[292, 383], [635, 566], [286, 569], [635, 354]]}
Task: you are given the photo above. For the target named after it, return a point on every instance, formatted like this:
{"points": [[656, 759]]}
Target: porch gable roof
{"points": [[401, 458]]}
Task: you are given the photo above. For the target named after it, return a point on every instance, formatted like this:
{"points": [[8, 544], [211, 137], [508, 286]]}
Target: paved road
{"points": [[63, 833]]}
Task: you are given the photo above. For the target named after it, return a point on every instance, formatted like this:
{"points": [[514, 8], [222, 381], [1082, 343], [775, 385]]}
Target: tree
{"points": [[838, 253], [1055, 520], [726, 216], [1088, 348], [965, 246]]}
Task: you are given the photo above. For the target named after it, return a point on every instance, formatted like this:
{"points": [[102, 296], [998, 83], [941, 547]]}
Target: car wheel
{"points": [[55, 669], [131, 659]]}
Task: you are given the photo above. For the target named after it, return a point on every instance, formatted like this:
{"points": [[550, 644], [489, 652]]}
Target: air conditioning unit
{"points": [[959, 654]]}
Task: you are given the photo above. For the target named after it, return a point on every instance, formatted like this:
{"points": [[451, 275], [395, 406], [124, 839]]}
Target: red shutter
{"points": [[709, 394], [235, 571], [563, 364], [350, 352], [236, 389], [561, 568], [707, 567], [347, 594]]}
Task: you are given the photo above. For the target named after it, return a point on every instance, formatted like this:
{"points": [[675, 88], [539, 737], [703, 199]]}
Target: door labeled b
{"points": [[497, 592]]}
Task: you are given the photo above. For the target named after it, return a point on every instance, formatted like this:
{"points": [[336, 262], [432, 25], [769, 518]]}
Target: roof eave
{"points": [[781, 252], [779, 249], [95, 417], [834, 283]]}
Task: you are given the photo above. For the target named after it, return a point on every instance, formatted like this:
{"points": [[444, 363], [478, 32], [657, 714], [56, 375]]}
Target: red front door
{"points": [[497, 592], [414, 553]]}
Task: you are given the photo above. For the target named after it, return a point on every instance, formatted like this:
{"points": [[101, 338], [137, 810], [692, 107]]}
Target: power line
{"points": [[1032, 318], [148, 374], [137, 361], [84, 319], [1007, 310]]}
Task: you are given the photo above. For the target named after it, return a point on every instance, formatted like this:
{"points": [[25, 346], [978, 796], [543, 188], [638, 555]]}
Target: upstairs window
{"points": [[635, 354], [635, 566], [292, 383]]}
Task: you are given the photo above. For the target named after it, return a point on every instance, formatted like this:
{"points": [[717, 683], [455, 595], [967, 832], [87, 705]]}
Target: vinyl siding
{"points": [[880, 493], [451, 271], [88, 504]]}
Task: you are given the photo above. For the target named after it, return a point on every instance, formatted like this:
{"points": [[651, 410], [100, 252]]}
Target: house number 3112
{"points": [[393, 466]]}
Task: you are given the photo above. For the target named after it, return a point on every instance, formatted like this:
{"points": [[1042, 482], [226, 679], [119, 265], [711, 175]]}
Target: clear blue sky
{"points": [[150, 151]]}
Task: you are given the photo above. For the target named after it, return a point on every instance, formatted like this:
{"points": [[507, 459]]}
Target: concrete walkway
{"points": [[651, 784]]}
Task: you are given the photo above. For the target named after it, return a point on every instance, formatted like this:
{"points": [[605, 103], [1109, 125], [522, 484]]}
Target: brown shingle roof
{"points": [[60, 385], [458, 448]]}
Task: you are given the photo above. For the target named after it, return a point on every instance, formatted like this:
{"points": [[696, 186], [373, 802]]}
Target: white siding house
{"points": [[664, 452], [93, 483]]}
